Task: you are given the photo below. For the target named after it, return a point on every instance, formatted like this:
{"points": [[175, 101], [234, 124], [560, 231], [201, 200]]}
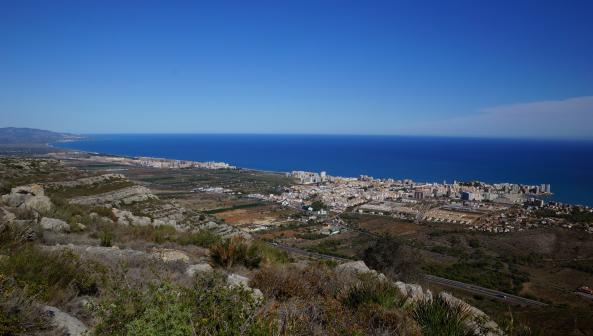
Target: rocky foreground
{"points": [[86, 253]]}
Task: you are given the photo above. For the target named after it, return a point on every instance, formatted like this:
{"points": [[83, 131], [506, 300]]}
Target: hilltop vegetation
{"points": [[126, 262]]}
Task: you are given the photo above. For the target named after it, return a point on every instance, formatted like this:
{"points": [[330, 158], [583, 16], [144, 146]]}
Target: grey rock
{"points": [[236, 280], [479, 322], [86, 181], [353, 267], [70, 324], [38, 203], [126, 196], [54, 224], [29, 197], [192, 270], [9, 217], [170, 255], [413, 292]]}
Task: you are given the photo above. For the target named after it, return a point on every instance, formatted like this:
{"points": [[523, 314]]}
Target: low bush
{"points": [[51, 276], [209, 307], [373, 291], [19, 314], [437, 318], [235, 251], [202, 238]]}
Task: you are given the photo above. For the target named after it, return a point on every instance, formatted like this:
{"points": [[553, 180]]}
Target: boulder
{"points": [[414, 292], [38, 203], [125, 217], [355, 267], [29, 197], [54, 224], [479, 322], [8, 216], [236, 280], [32, 189], [70, 324], [192, 270], [127, 195], [169, 255]]}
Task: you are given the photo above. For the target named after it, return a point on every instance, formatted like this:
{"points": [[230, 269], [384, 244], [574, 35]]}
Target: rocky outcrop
{"points": [[124, 196], [170, 255], [28, 197], [192, 270], [236, 280], [106, 253], [414, 292], [70, 324], [85, 181], [224, 230], [7, 216], [125, 217], [53, 224], [478, 321]]}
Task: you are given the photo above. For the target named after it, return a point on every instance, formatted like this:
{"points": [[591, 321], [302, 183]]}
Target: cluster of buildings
{"points": [[340, 193], [499, 207], [142, 161], [166, 163]]}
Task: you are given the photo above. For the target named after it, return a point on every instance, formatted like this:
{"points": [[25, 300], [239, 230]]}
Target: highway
{"points": [[295, 250], [486, 292]]}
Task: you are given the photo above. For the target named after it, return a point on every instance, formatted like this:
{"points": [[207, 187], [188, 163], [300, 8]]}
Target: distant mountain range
{"points": [[14, 136]]}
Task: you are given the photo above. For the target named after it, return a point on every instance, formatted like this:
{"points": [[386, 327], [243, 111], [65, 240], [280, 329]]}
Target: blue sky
{"points": [[483, 68]]}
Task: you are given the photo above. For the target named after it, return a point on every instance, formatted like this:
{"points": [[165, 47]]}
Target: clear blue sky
{"points": [[487, 68]]}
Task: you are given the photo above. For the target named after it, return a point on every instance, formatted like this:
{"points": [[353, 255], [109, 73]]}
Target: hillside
{"points": [[90, 252], [16, 136]]}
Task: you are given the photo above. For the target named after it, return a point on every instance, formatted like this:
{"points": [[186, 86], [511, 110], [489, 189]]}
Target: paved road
{"points": [[306, 253], [509, 298], [585, 295]]}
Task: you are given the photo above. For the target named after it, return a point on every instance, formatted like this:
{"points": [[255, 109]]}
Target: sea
{"points": [[567, 165]]}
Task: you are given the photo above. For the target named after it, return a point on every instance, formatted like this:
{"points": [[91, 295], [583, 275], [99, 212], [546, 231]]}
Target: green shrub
{"points": [[209, 307], [202, 238], [19, 315], [51, 276], [374, 291], [106, 238], [437, 318], [234, 251]]}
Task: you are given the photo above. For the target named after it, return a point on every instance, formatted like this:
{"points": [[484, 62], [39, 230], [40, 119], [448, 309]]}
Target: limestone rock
{"points": [[29, 197], [125, 217], [414, 292], [54, 224], [479, 322], [127, 195], [169, 255], [70, 324], [38, 203], [192, 270], [86, 181], [353, 267], [236, 280], [8, 216], [224, 230]]}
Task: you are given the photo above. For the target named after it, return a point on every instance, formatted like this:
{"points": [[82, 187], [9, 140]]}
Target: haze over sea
{"points": [[565, 164]]}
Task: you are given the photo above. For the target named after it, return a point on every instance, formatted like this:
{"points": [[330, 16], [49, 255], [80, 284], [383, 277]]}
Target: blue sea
{"points": [[566, 165]]}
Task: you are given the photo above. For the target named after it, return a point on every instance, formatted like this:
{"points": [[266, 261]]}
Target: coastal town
{"points": [[499, 207], [139, 161]]}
